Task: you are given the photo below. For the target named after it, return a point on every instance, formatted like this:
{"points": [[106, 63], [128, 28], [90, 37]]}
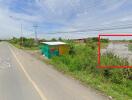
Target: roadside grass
{"points": [[109, 59], [130, 47], [25, 43], [82, 66], [104, 45], [119, 92], [99, 82]]}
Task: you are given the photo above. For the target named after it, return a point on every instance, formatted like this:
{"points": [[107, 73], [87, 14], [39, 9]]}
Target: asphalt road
{"points": [[23, 77]]}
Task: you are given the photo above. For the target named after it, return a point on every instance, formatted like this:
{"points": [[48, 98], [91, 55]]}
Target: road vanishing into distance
{"points": [[23, 77]]}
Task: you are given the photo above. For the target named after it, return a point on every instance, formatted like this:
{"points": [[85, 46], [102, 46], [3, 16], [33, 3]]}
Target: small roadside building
{"points": [[51, 49]]}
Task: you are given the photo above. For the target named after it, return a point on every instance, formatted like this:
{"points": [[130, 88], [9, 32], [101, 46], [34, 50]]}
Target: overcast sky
{"points": [[63, 15]]}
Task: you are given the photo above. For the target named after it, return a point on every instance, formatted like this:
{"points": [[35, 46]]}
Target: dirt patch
{"points": [[37, 54]]}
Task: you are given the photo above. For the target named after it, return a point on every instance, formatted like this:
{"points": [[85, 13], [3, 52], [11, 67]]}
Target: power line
{"points": [[128, 26], [35, 32], [21, 35], [95, 29]]}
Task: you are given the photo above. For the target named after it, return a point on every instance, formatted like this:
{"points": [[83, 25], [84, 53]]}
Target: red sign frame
{"points": [[99, 43]]}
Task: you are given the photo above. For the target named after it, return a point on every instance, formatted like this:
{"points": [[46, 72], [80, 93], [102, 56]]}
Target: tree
{"points": [[104, 40], [53, 39], [60, 39]]}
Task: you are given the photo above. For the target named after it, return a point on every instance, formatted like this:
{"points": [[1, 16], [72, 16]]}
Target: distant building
{"points": [[83, 40]]}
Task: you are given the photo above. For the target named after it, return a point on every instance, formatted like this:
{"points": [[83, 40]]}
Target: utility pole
{"points": [[21, 36], [35, 32]]}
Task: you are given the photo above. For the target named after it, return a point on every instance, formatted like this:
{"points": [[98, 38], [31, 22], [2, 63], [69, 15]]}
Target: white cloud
{"points": [[10, 22], [111, 5], [60, 15]]}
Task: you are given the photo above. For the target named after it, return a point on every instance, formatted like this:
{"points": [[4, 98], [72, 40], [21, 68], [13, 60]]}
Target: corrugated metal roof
{"points": [[54, 43]]}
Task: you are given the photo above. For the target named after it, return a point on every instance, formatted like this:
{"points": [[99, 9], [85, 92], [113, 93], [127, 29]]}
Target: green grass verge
{"points": [[130, 47], [25, 48], [82, 66], [104, 45], [117, 91]]}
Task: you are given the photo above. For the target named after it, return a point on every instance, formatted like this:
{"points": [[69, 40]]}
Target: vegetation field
{"points": [[25, 43], [81, 63], [130, 47]]}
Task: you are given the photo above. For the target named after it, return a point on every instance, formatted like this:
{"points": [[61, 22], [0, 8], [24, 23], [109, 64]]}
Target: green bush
{"points": [[82, 63], [53, 39], [110, 59], [104, 40], [130, 47], [72, 50], [84, 58], [25, 42]]}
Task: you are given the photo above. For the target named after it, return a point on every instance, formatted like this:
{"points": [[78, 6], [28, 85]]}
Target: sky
{"points": [[62, 18]]}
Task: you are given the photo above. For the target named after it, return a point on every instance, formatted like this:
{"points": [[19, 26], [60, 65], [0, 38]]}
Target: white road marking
{"points": [[29, 78]]}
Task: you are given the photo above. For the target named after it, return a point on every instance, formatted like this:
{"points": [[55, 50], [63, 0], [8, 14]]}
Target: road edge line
{"points": [[28, 77]]}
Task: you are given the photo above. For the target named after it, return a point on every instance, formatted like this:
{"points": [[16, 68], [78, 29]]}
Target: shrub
{"points": [[110, 59], [83, 65], [72, 49], [25, 42], [104, 40], [84, 58], [53, 39]]}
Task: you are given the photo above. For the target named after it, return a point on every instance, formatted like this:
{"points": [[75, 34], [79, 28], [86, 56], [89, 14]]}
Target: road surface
{"points": [[23, 77]]}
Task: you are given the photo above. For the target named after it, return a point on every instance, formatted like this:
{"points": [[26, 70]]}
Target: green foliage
{"points": [[82, 63], [28, 42], [60, 39], [72, 49], [130, 47], [53, 39], [104, 40], [110, 59], [24, 42], [14, 40], [84, 58], [130, 41], [95, 39], [91, 44], [78, 60]]}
